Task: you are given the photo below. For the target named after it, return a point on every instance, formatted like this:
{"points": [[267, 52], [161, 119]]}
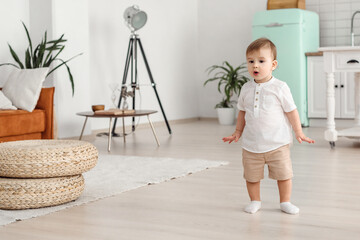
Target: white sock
{"points": [[289, 208], [253, 207]]}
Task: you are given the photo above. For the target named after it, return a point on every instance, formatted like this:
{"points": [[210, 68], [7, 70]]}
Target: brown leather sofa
{"points": [[23, 125]]}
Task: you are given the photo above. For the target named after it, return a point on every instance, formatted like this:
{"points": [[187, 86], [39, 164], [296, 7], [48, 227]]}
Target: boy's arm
{"points": [[294, 120], [240, 124]]}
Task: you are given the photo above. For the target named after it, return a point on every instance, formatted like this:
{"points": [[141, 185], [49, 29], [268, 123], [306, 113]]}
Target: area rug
{"points": [[115, 174]]}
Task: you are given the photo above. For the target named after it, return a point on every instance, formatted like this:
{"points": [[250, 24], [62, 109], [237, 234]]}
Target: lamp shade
{"points": [[135, 18]]}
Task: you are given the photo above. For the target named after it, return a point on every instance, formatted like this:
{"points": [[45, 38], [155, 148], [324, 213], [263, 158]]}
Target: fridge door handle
{"points": [[274, 25]]}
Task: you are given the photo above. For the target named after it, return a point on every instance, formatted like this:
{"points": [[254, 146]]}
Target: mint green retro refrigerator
{"points": [[294, 32]]}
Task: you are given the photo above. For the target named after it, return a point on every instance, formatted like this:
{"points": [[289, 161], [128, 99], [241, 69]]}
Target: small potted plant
{"points": [[230, 81], [45, 54]]}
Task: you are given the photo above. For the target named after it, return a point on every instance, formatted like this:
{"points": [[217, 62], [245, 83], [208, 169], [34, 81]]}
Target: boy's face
{"points": [[260, 64]]}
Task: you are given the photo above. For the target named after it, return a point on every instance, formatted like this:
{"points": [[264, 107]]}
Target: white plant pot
{"points": [[226, 116]]}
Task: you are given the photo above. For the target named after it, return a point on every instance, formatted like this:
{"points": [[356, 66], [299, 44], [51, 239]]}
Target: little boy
{"points": [[267, 113]]}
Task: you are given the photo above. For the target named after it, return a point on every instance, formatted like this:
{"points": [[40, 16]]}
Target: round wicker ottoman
{"points": [[42, 192], [46, 158]]}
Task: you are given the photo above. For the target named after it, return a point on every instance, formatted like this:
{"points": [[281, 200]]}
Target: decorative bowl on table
{"points": [[97, 107]]}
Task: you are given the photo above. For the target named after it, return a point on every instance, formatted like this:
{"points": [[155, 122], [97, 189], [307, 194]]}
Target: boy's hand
{"points": [[300, 136], [235, 137]]}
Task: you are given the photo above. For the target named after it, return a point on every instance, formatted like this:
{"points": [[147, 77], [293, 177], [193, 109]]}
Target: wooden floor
{"points": [[208, 205]]}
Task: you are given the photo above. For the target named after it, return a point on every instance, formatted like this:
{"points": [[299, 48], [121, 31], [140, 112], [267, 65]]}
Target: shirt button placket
{"points": [[256, 100]]}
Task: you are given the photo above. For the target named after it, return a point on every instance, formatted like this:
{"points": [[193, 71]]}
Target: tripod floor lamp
{"points": [[135, 19]]}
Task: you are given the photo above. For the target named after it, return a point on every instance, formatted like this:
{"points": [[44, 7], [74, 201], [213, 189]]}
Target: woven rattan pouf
{"points": [[43, 173], [42, 192], [46, 158]]}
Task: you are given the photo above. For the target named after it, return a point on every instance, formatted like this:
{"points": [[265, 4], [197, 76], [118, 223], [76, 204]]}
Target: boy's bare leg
{"points": [[254, 194], [286, 206], [253, 190], [285, 187]]}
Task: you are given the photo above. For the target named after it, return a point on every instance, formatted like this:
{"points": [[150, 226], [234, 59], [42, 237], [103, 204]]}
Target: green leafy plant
{"points": [[230, 81], [44, 55]]}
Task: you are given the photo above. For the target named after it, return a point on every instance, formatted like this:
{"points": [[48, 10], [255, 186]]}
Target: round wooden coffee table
{"points": [[137, 113]]}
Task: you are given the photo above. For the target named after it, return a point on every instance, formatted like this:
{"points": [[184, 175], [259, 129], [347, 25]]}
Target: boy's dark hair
{"points": [[259, 43]]}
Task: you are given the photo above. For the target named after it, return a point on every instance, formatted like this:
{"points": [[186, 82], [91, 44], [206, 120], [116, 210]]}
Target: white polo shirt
{"points": [[265, 104]]}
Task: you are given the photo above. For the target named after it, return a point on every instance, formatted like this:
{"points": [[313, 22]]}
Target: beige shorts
{"points": [[278, 161]]}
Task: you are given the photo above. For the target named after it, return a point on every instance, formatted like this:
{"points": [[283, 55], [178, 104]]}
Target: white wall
{"points": [[169, 39], [39, 23], [224, 32], [12, 32], [71, 17]]}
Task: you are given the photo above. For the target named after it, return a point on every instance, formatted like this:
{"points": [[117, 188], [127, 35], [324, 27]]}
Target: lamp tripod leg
{"points": [[129, 58], [134, 81], [153, 84]]}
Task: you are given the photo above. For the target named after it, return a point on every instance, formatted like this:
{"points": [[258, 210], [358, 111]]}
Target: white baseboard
{"points": [[146, 125]]}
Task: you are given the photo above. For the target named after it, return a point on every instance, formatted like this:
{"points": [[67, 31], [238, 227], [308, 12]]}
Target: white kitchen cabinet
{"points": [[347, 95], [342, 59], [344, 91]]}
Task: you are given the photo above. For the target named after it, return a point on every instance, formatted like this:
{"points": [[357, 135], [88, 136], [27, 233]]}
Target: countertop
{"points": [[314, 53]]}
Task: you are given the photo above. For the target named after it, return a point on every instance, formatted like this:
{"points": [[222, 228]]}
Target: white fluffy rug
{"points": [[115, 174]]}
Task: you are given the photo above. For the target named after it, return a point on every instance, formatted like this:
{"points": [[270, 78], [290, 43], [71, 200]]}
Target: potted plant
{"points": [[230, 81], [44, 55]]}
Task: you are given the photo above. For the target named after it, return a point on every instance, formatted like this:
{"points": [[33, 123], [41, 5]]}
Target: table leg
{"points": [[109, 138], [153, 130], [123, 123], [82, 131], [330, 133], [357, 99]]}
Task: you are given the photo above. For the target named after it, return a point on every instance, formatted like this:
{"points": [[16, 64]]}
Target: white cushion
{"points": [[5, 103], [23, 87]]}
